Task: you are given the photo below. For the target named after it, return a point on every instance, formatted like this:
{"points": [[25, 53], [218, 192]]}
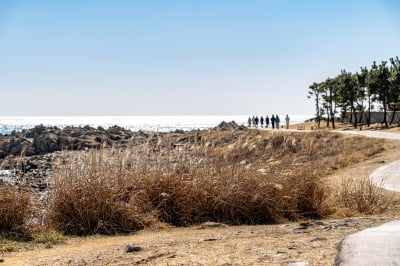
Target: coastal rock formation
{"points": [[27, 156], [15, 145], [46, 143], [229, 126], [43, 140]]}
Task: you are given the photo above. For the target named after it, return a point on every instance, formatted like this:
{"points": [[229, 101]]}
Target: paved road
{"points": [[379, 245], [387, 176], [372, 134], [373, 246]]}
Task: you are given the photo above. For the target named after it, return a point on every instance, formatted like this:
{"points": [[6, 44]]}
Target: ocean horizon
{"points": [[159, 123]]}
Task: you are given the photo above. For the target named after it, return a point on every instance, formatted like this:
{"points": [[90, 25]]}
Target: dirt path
{"points": [[311, 242]]}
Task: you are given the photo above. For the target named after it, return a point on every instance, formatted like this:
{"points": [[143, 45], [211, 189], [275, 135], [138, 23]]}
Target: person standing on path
{"points": [[262, 121], [273, 121], [277, 121], [266, 121], [249, 121], [287, 121]]}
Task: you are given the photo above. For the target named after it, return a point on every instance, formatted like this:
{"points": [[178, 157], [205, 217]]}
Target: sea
{"points": [[8, 124]]}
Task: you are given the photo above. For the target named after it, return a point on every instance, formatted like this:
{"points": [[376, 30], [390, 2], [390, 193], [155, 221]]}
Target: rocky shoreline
{"points": [[26, 157]]}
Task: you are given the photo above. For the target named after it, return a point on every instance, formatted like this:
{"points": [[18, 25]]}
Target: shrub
{"points": [[175, 199], [91, 199], [364, 197], [215, 176], [49, 238], [91, 205], [16, 212]]}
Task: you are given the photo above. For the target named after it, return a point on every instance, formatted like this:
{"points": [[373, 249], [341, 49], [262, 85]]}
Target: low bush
{"points": [[254, 178], [49, 238], [94, 204], [364, 197], [16, 212], [245, 198]]}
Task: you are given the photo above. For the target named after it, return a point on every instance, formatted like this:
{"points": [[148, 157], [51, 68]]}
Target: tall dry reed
{"points": [[93, 195], [17, 211], [362, 196], [237, 178]]}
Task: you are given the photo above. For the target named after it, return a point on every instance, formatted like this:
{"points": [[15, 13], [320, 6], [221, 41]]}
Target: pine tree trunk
{"points": [[327, 117], [351, 116], [318, 110], [331, 109], [384, 112], [369, 111], [393, 115], [361, 117], [355, 117]]}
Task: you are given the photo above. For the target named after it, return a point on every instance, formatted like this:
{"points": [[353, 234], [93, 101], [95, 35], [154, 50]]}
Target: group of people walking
{"points": [[274, 120]]}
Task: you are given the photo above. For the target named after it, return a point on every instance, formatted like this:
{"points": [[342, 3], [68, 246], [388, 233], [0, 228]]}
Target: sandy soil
{"points": [[313, 242]]}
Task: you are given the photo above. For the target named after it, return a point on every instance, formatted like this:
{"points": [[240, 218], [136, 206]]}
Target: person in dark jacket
{"points": [[273, 121], [266, 121], [277, 121]]}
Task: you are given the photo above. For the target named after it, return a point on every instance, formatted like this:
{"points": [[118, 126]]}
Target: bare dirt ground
{"points": [[311, 242]]}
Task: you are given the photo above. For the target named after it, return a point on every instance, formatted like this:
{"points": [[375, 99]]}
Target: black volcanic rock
{"points": [[43, 140], [15, 145], [46, 142], [223, 126]]}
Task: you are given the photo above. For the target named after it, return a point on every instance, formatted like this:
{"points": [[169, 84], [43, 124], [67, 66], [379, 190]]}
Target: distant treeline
{"points": [[349, 94]]}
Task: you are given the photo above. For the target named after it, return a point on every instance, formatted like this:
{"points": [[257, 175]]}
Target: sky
{"points": [[184, 57]]}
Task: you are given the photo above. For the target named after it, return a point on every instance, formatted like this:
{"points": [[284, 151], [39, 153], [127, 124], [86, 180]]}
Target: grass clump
{"points": [[49, 238], [94, 198], [8, 246], [16, 212], [364, 197], [93, 205], [252, 178]]}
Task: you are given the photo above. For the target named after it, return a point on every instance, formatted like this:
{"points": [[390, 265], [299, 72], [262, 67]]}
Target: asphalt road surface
{"points": [[379, 245]]}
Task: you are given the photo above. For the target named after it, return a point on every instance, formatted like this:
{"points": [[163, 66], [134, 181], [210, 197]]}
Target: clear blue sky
{"points": [[186, 57]]}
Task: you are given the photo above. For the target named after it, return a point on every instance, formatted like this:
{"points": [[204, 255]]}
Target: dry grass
{"points": [[362, 196], [248, 178], [49, 238], [17, 212], [95, 196]]}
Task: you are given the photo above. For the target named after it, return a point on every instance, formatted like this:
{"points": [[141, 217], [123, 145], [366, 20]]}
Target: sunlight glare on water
{"points": [[134, 123]]}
